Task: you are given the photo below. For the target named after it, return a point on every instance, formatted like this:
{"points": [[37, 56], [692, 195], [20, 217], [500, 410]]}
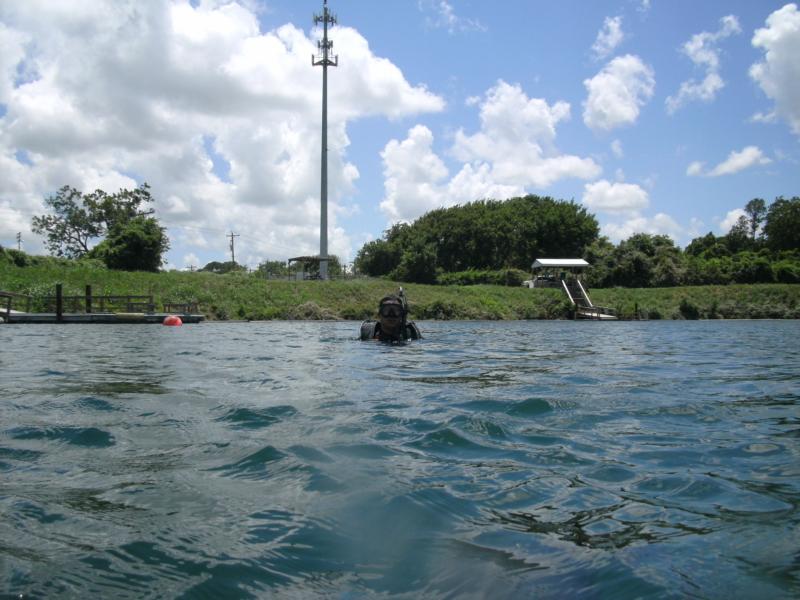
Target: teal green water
{"points": [[489, 460]]}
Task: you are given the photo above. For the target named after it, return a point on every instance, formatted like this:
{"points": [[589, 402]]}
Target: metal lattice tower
{"points": [[326, 59]]}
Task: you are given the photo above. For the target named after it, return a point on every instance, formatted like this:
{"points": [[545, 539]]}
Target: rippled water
{"points": [[489, 460]]}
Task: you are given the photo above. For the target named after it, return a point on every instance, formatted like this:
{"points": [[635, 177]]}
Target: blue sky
{"points": [[660, 116]]}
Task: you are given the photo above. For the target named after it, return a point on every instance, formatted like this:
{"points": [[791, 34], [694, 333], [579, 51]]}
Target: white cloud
{"points": [[416, 179], [617, 93], [12, 52], [626, 201], [443, 16], [695, 169], [660, 224], [760, 117], [117, 92], [747, 157], [616, 149], [517, 138], [779, 73], [605, 196], [731, 219], [191, 260], [608, 38], [513, 151], [696, 228], [412, 173], [702, 50]]}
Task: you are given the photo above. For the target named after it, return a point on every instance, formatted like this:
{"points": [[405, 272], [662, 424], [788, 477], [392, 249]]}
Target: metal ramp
{"points": [[584, 309]]}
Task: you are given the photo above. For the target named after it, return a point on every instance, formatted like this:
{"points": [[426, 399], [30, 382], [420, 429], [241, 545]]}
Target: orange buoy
{"points": [[172, 321]]}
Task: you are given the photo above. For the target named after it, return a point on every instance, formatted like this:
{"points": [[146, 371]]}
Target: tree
{"points": [[72, 227], [272, 267], [76, 219], [417, 264], [223, 267], [376, 258], [645, 260], [600, 256], [756, 211], [707, 246], [782, 224], [482, 235], [738, 238], [133, 245]]}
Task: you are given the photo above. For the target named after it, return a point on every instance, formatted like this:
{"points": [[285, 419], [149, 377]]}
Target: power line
{"points": [[19, 240]]}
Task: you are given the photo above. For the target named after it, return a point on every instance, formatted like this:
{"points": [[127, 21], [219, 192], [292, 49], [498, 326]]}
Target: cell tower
{"points": [[326, 59]]}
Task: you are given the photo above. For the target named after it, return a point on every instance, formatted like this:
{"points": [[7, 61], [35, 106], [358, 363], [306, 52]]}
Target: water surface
{"points": [[503, 460]]}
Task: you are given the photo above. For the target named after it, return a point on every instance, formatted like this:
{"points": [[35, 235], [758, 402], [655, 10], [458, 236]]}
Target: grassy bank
{"points": [[242, 296]]}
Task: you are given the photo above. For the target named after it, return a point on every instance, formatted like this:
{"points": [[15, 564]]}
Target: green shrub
{"points": [[440, 310], [17, 257], [688, 310], [786, 271], [507, 277], [311, 311]]}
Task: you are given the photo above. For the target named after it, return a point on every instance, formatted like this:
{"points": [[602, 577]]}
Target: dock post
{"points": [[88, 299], [59, 303]]}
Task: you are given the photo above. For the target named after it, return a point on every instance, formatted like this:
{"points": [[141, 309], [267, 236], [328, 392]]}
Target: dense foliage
{"points": [[484, 235], [748, 253], [134, 240], [220, 268], [483, 242]]}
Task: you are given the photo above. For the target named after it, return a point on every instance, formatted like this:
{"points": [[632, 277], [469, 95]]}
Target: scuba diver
{"points": [[392, 324]]}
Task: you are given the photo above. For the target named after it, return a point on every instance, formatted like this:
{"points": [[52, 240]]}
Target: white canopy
{"points": [[558, 263]]}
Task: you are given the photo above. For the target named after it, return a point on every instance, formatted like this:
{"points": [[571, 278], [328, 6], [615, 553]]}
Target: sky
{"points": [[658, 116]]}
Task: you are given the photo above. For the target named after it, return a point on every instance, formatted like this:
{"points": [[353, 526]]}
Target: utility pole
{"points": [[326, 59], [19, 240], [233, 255]]}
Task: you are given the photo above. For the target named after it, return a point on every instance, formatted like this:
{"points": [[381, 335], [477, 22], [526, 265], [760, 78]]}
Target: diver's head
{"points": [[392, 314]]}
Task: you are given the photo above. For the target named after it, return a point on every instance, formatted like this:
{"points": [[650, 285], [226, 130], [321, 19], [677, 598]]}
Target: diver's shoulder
{"points": [[369, 329], [412, 331]]}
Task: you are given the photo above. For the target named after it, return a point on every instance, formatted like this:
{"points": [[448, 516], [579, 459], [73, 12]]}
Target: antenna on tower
{"points": [[325, 59]]}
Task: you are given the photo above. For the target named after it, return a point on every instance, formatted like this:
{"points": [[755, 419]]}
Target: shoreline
{"points": [[246, 297]]}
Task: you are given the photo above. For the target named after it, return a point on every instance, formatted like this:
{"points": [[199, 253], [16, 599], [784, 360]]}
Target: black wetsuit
{"points": [[371, 330]]}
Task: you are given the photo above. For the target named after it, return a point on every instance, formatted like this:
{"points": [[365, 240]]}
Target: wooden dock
{"points": [[134, 309], [15, 317]]}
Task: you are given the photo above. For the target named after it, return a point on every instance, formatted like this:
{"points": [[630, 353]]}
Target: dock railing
{"points": [[101, 304], [15, 307], [186, 308], [7, 298]]}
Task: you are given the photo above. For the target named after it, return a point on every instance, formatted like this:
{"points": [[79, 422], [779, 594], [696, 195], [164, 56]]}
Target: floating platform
{"points": [[595, 315], [149, 318]]}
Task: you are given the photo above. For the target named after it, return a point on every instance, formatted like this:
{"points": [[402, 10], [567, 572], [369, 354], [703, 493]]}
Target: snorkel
{"points": [[404, 303]]}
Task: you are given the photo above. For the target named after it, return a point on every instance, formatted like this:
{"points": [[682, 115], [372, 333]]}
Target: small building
{"points": [[550, 272], [566, 274], [304, 272]]}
